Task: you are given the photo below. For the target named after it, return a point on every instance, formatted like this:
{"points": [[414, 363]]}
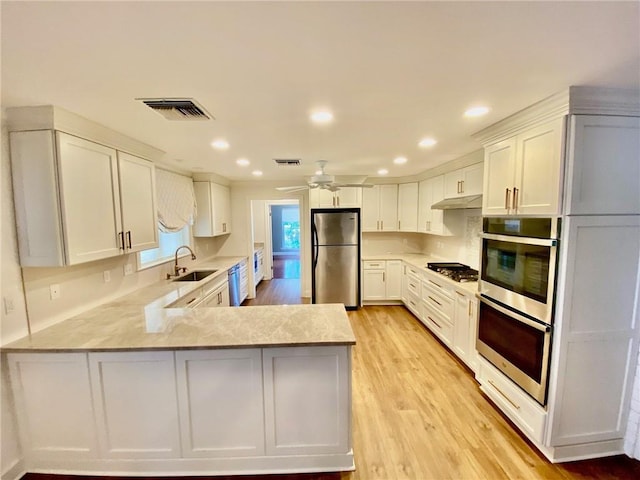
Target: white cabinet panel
{"points": [[215, 421], [499, 174], [380, 208], [373, 285], [136, 406], [138, 195], [88, 175], [408, 207], [463, 182], [349, 197], [465, 328], [431, 221], [54, 407], [394, 280], [307, 398], [603, 175], [213, 217]]}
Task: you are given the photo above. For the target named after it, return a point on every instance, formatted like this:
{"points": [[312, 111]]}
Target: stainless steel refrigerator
{"points": [[335, 256]]}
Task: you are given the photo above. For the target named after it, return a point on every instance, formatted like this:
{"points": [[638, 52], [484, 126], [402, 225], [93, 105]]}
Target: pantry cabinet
{"points": [[465, 327], [464, 181], [380, 208], [522, 174], [214, 209], [408, 207], [77, 201]]}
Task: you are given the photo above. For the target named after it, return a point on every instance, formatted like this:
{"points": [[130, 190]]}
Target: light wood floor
{"points": [[418, 412]]}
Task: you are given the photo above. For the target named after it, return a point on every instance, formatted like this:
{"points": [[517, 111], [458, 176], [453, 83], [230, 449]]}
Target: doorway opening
{"points": [[285, 241]]}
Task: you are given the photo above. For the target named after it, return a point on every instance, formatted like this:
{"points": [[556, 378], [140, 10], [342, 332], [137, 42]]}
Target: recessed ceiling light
{"points": [[383, 171], [427, 142], [243, 162], [322, 116], [400, 160], [257, 173], [476, 112], [220, 144]]}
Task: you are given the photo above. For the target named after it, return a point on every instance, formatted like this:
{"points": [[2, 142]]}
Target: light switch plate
{"points": [[106, 275], [128, 269]]}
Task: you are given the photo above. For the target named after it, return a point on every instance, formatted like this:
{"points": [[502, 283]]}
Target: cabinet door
{"points": [[215, 421], [138, 201], [136, 405], [408, 207], [393, 280], [349, 197], [326, 198], [472, 179], [465, 328], [603, 174], [203, 226], [388, 208], [424, 206], [538, 170], [54, 405], [499, 177], [89, 199], [453, 184], [221, 209], [436, 224], [370, 209], [373, 285], [307, 401], [595, 343]]}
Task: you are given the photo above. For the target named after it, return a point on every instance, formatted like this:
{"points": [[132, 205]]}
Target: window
{"points": [[168, 243]]}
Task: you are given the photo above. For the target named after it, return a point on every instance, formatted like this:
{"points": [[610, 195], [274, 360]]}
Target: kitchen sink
{"points": [[195, 276]]}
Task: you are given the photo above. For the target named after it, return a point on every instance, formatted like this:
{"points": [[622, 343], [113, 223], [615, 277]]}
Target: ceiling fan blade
{"points": [[361, 185], [292, 189]]}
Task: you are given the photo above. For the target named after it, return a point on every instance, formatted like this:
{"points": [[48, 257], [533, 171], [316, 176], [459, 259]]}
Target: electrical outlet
{"points": [[8, 305], [128, 269], [106, 275], [54, 290]]}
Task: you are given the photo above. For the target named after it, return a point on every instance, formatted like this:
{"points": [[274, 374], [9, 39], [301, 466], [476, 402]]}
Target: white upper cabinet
{"points": [[343, 198], [522, 174], [603, 171], [408, 207], [431, 221], [214, 210], [78, 201], [380, 208], [464, 181], [137, 192]]}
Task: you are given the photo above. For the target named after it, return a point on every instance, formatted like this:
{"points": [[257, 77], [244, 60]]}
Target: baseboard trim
{"points": [[15, 471]]}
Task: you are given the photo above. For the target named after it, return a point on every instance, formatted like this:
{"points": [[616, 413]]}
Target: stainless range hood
{"points": [[472, 201]]}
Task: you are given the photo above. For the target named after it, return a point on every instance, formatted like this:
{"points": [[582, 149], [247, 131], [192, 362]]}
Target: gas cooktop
{"points": [[455, 271]]}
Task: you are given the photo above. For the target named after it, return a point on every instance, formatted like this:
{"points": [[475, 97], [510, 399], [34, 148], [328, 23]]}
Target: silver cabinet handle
{"points": [[383, 277], [381, 224], [515, 199], [436, 323], [507, 195], [399, 225], [437, 285], [434, 300], [516, 406]]}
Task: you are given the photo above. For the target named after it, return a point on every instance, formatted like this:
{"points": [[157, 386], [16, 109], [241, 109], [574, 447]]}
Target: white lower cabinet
{"points": [[219, 421], [307, 400], [382, 280], [465, 328], [52, 395], [135, 404], [212, 412]]}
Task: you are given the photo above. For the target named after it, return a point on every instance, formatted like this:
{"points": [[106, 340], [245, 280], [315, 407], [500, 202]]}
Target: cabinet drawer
{"points": [[413, 271], [438, 284], [437, 324], [413, 286], [525, 412], [188, 299], [413, 304], [374, 264], [437, 301]]}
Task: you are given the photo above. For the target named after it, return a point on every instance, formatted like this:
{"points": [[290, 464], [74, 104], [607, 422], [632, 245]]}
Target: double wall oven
{"points": [[516, 292]]}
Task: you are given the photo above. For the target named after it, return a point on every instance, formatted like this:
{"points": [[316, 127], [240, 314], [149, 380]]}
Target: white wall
{"points": [[379, 243]]}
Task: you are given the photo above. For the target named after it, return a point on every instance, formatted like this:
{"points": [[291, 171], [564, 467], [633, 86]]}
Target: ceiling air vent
{"points": [[177, 108], [287, 162]]}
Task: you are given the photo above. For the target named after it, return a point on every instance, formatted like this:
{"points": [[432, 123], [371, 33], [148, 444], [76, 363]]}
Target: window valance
{"points": [[176, 200]]}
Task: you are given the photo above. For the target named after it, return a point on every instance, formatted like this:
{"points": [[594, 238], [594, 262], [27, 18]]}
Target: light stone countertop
{"points": [[139, 321], [420, 260]]}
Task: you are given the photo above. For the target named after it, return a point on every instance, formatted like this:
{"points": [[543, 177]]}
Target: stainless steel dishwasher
{"points": [[234, 286]]}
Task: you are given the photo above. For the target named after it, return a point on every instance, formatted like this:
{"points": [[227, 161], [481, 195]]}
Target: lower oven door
{"points": [[517, 345]]}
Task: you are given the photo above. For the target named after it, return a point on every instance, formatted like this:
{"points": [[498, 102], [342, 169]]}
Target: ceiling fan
{"points": [[323, 181]]}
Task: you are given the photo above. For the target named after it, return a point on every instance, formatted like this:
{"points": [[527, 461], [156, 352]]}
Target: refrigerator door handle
{"points": [[315, 245]]}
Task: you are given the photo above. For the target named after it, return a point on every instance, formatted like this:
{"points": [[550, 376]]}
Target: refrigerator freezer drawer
{"points": [[336, 275]]}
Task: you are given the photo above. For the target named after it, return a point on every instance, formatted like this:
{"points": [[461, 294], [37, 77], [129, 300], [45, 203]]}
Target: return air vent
{"points": [[287, 162], [177, 108]]}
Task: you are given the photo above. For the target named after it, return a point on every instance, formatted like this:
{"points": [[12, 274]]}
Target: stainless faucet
{"points": [[176, 268]]}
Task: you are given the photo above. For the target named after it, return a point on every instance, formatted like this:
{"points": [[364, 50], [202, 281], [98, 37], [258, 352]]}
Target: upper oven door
{"points": [[519, 272]]}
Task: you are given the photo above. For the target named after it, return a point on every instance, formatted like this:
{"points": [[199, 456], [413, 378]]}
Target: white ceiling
{"points": [[391, 72]]}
